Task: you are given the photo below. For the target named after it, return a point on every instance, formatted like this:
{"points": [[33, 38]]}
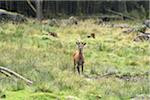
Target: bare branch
{"points": [[9, 72], [120, 14], [30, 4]]}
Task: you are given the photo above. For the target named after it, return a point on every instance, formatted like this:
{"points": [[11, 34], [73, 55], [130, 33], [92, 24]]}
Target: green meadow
{"points": [[116, 67]]}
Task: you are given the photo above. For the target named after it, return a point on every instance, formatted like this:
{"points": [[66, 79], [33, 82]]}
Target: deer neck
{"points": [[80, 52]]}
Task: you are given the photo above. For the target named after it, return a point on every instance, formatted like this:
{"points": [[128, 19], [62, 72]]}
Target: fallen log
{"points": [[120, 14], [11, 16], [141, 29], [142, 37], [101, 18], [9, 72], [120, 25], [147, 23]]}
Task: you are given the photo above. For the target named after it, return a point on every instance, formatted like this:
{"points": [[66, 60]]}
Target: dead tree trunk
{"points": [[9, 72], [39, 9], [30, 4], [121, 14], [122, 7]]}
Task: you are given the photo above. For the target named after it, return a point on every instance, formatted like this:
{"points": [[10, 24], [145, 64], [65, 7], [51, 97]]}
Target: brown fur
{"points": [[78, 57], [91, 35], [53, 34]]}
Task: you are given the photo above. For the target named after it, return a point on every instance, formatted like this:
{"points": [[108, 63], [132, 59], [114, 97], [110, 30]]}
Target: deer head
{"points": [[80, 45]]}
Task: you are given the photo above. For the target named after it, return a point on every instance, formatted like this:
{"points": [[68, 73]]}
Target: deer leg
{"points": [[82, 67], [78, 69], [74, 67]]}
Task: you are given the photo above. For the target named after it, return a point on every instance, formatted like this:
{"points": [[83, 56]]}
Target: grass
{"points": [[26, 49]]}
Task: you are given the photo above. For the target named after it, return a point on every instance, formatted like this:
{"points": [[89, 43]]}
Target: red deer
{"points": [[78, 57], [91, 35], [53, 34]]}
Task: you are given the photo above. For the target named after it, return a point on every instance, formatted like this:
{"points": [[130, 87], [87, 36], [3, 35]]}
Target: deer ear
{"points": [[77, 43], [84, 43]]}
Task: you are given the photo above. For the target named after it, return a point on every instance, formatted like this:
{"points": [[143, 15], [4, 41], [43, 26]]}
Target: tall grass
{"points": [[26, 49]]}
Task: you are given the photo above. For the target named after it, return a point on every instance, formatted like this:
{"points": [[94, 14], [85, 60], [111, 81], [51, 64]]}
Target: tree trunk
{"points": [[122, 7], [39, 9]]}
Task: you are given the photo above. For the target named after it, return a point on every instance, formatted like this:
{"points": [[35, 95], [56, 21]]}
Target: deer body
{"points": [[91, 35], [53, 34], [78, 57]]}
